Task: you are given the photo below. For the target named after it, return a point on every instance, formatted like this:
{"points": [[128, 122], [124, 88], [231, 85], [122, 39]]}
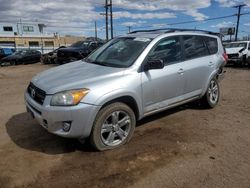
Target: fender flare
{"points": [[118, 93]]}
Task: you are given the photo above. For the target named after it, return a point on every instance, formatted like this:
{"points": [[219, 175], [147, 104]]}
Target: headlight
{"points": [[68, 98]]}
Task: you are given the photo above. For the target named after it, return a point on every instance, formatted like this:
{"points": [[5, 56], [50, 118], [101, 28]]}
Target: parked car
{"points": [[125, 80], [77, 51], [22, 57], [238, 52], [51, 57], [5, 52]]}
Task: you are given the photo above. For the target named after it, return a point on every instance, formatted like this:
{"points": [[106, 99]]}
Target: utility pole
{"points": [[95, 31], [238, 19], [111, 19], [107, 21], [129, 29]]}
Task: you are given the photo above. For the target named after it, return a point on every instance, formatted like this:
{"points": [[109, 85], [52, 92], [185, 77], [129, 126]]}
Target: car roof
{"points": [[157, 32]]}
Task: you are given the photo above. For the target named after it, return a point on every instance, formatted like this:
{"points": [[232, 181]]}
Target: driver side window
{"points": [[168, 50]]}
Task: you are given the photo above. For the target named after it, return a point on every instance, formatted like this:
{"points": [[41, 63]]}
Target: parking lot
{"points": [[184, 147]]}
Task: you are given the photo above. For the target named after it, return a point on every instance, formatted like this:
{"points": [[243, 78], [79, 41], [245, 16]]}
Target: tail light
{"points": [[225, 56]]}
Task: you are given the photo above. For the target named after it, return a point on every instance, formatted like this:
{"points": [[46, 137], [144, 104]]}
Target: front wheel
{"points": [[13, 63], [114, 126], [211, 98]]}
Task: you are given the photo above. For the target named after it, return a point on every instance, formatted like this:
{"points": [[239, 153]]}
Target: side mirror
{"points": [[154, 64]]}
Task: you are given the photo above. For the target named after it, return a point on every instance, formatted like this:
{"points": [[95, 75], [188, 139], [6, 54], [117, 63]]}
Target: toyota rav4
{"points": [[128, 78]]}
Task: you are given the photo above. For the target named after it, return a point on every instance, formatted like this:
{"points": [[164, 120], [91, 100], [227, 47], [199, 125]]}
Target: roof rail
{"points": [[170, 30]]}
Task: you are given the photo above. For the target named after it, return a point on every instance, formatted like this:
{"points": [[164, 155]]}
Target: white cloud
{"points": [[230, 3], [247, 24], [197, 16], [223, 24], [160, 25], [190, 8], [159, 15]]}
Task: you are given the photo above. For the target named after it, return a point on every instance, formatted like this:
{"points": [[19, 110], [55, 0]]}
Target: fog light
{"points": [[66, 126]]}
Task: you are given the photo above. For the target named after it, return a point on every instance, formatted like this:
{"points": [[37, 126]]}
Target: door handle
{"points": [[210, 64], [180, 71]]}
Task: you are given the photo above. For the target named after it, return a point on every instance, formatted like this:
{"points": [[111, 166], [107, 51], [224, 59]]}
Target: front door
{"points": [[163, 87]]}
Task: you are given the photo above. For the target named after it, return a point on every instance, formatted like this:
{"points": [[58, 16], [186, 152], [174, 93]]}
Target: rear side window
{"points": [[212, 44], [194, 47]]}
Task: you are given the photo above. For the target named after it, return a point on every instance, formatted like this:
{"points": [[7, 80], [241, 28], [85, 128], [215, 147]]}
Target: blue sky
{"points": [[77, 17]]}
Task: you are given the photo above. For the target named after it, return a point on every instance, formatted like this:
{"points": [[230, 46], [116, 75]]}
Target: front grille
{"points": [[231, 56], [37, 94]]}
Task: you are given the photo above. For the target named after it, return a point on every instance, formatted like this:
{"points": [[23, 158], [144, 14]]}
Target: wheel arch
{"points": [[212, 76], [126, 99]]}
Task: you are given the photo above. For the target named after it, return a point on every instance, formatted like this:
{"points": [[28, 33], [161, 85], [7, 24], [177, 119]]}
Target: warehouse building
{"points": [[31, 35]]}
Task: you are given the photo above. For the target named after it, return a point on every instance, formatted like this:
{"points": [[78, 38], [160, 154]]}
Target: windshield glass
{"points": [[119, 52], [80, 44], [236, 45]]}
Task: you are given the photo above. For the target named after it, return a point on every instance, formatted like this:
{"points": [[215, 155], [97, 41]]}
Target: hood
{"points": [[234, 50], [11, 57], [74, 75], [71, 49]]}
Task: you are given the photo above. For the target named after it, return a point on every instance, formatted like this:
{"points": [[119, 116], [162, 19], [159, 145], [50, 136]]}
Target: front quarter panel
{"points": [[126, 85]]}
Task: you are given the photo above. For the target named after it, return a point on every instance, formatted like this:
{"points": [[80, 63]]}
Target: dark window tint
{"points": [[33, 44], [28, 28], [1, 52], [7, 28], [168, 50], [49, 43], [194, 47], [212, 44]]}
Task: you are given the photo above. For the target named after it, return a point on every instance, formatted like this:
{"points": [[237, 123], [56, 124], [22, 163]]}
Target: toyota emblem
{"points": [[33, 93]]}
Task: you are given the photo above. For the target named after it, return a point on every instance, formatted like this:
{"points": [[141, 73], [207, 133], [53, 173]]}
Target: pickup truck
{"points": [[76, 51]]}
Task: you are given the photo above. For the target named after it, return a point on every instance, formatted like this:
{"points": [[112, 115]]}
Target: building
{"points": [[31, 35]]}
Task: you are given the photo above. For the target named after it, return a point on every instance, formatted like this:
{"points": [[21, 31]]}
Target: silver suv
{"points": [[128, 78]]}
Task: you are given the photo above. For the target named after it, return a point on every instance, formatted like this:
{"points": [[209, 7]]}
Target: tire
{"points": [[107, 132], [13, 63], [212, 96]]}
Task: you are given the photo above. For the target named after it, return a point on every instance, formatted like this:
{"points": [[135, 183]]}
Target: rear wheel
{"points": [[113, 127], [211, 98]]}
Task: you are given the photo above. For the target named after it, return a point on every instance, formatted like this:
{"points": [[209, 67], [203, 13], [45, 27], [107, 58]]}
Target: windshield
{"points": [[80, 44], [236, 45], [119, 52], [21, 52]]}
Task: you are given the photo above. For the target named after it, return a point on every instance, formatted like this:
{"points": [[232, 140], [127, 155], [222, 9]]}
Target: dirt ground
{"points": [[183, 147]]}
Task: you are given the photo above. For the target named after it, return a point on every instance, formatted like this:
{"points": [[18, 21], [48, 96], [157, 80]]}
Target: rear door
{"points": [[163, 87], [198, 65]]}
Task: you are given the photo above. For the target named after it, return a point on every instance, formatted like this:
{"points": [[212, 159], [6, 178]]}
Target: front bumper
{"points": [[51, 118]]}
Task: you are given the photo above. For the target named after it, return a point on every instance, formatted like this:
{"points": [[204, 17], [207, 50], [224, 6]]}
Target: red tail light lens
{"points": [[225, 56]]}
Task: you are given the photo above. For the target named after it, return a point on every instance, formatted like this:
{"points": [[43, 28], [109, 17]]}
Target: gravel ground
{"points": [[184, 147]]}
